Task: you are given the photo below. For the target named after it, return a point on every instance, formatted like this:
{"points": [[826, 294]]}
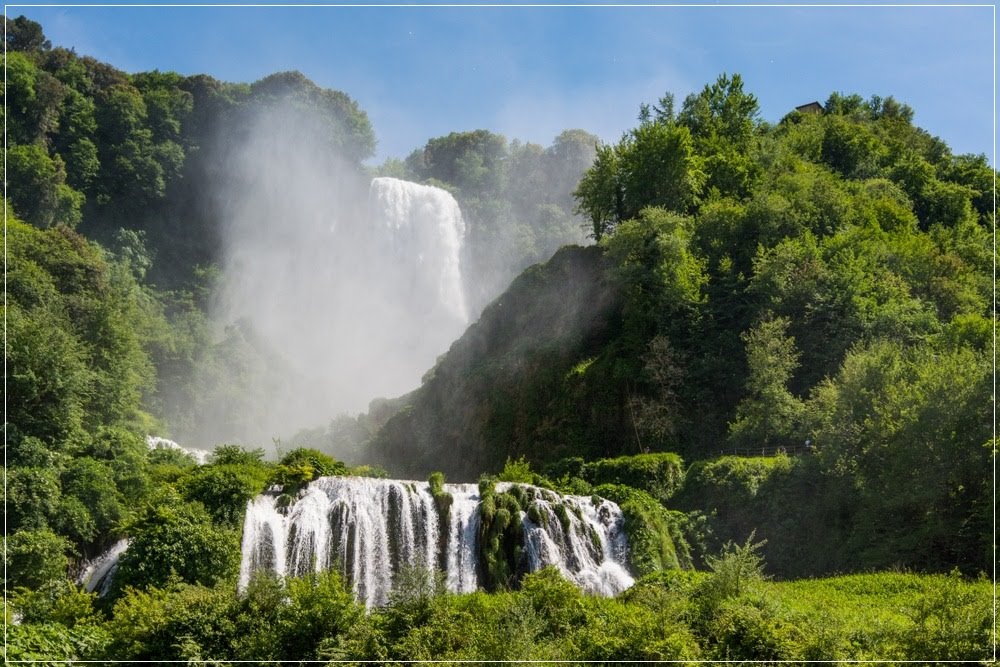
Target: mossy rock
{"points": [[655, 540]]}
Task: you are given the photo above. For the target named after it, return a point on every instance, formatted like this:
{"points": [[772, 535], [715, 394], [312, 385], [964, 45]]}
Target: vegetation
{"points": [[821, 289], [684, 616], [818, 291], [516, 198]]}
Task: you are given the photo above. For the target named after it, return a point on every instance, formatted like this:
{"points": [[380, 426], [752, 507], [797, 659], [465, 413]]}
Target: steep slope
{"points": [[508, 387]]}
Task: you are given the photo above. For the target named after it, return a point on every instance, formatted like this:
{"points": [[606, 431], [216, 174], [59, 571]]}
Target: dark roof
{"points": [[812, 107]]}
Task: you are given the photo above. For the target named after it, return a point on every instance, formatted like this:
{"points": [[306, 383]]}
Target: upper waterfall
{"points": [[334, 307], [422, 231]]}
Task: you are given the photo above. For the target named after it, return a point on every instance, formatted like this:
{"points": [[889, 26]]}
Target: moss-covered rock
{"points": [[501, 534], [656, 541]]}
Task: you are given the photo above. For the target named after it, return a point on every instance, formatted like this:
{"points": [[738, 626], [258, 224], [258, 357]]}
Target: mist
{"points": [[333, 290]]}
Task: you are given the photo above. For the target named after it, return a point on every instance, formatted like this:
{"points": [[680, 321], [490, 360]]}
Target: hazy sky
{"points": [[530, 72]]}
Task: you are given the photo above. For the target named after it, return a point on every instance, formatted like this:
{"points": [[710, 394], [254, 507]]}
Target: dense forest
{"points": [[772, 352]]}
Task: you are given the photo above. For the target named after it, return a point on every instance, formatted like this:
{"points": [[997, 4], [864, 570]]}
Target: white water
{"points": [[421, 230], [98, 573], [366, 528], [463, 538], [341, 307], [369, 529], [156, 442], [590, 550]]}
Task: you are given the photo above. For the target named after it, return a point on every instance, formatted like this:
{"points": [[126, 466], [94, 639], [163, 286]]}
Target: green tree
{"points": [[171, 538], [38, 187], [723, 120], [23, 34], [319, 608], [770, 414], [91, 504], [600, 195], [35, 558], [904, 431], [225, 489]]}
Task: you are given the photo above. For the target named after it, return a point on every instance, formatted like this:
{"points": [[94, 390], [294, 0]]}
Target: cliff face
{"points": [[515, 383]]}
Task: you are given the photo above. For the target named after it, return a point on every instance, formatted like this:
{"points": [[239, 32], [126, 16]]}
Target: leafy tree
{"points": [[303, 465], [32, 497], [91, 504], [35, 557], [653, 165], [770, 413], [723, 120], [23, 34], [177, 622], [171, 538], [225, 489], [600, 194], [38, 187], [319, 608], [335, 119], [905, 431]]}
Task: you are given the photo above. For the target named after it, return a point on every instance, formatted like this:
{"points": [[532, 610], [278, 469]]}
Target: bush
{"points": [[660, 475], [950, 621], [319, 608], [442, 499], [225, 489], [752, 628], [654, 536], [36, 557], [172, 539], [180, 622]]}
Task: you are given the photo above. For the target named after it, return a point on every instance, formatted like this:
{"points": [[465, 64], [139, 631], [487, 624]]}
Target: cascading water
{"points": [[586, 542], [420, 228], [98, 573], [462, 538], [370, 529], [156, 442], [376, 293]]}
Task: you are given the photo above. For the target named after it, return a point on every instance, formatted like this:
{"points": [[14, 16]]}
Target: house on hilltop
{"points": [[812, 107]]}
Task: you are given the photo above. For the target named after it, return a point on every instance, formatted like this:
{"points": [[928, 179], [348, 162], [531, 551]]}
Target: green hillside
{"points": [[776, 358]]}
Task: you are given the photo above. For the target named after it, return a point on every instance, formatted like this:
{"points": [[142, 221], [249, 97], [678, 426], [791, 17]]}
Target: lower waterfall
{"points": [[370, 529], [97, 574]]}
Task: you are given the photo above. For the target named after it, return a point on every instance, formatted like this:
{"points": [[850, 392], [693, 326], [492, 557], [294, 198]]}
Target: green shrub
{"points": [[442, 499], [660, 475], [500, 534], [950, 621], [516, 471], [651, 530], [171, 540], [36, 557], [752, 628], [179, 622], [225, 489]]}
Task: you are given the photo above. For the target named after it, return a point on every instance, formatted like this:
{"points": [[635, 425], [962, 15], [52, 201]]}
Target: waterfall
{"points": [[586, 543], [420, 228], [371, 529], [462, 542], [156, 442], [98, 573], [374, 289], [367, 528]]}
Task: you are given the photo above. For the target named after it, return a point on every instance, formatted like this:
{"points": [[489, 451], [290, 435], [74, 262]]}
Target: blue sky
{"points": [[529, 73]]}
